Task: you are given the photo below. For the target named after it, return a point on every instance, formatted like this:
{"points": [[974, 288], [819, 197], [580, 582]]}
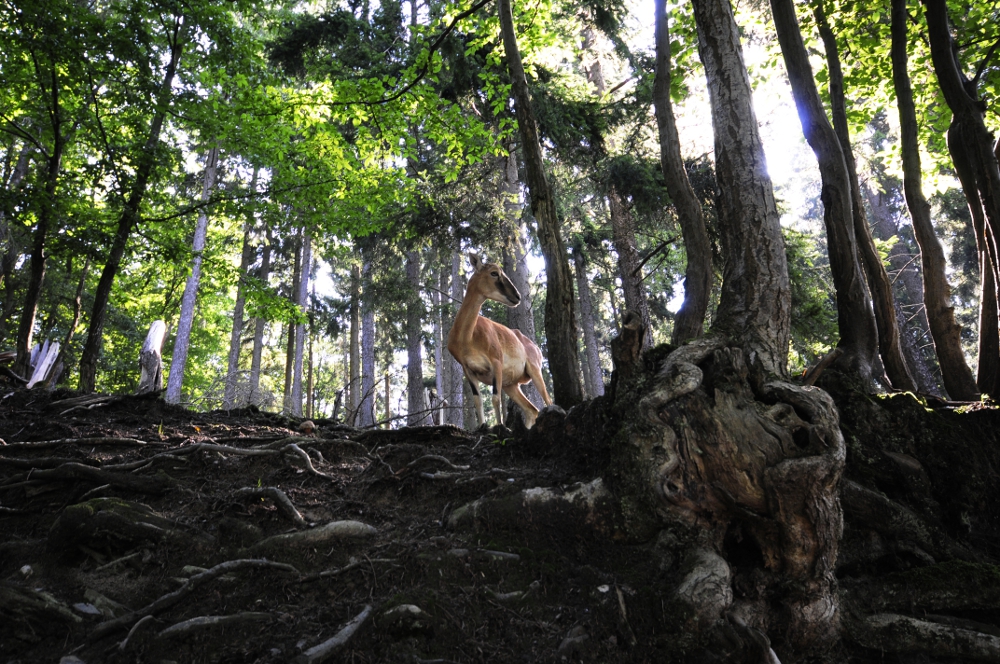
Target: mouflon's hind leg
{"points": [[534, 372], [528, 408]]}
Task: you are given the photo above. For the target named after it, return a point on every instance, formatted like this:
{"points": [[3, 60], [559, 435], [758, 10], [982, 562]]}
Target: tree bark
{"points": [[594, 376], [858, 331], [456, 377], [560, 317], [756, 302], [255, 398], [946, 332], [415, 402], [970, 144], [889, 344], [354, 388], [129, 217], [247, 255], [182, 341], [437, 297], [286, 400], [39, 245], [690, 317], [366, 414], [301, 328]]}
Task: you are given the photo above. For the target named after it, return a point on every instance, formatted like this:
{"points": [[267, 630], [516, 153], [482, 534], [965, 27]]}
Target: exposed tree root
{"points": [[328, 648]]}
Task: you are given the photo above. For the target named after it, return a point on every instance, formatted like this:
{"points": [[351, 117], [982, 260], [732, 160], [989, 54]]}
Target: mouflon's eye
{"points": [[495, 274]]}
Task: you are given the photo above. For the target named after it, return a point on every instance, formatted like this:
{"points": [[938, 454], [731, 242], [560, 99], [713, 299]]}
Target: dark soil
{"points": [[85, 557]]}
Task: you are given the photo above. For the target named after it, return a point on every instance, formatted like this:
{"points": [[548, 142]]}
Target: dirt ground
{"points": [[134, 531], [113, 510]]}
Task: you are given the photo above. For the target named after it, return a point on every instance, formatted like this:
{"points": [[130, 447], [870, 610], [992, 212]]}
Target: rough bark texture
{"points": [[354, 388], [301, 329], [456, 377], [858, 333], [150, 360], [947, 333], [889, 344], [415, 402], [629, 263], [366, 407], [255, 397], [560, 317], [129, 218], [690, 318], [970, 144], [182, 341], [594, 374], [755, 304]]}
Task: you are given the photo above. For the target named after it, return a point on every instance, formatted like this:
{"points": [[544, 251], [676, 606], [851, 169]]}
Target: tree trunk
{"points": [[366, 412], [858, 332], [440, 356], [755, 304], [247, 256], [742, 466], [302, 300], [889, 345], [947, 334], [456, 377], [560, 317], [914, 329], [970, 144], [254, 397], [415, 402], [150, 359], [698, 274], [629, 265], [182, 341], [514, 259], [286, 401], [129, 218], [39, 248], [594, 376], [354, 388]]}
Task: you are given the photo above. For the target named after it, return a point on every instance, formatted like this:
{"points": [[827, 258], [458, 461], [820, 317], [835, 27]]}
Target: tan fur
{"points": [[488, 350]]}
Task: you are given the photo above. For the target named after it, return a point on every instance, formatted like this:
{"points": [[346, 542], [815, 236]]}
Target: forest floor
{"points": [[135, 531]]}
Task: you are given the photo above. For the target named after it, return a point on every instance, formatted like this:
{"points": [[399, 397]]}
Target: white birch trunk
{"points": [[183, 340]]}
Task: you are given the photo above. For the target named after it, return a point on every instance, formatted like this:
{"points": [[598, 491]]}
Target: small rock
{"points": [[307, 427], [573, 643], [87, 609], [407, 619], [26, 571]]}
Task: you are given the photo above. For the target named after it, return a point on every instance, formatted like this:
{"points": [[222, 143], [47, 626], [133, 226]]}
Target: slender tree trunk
{"points": [[755, 304], [302, 300], [622, 225], [39, 252], [970, 144], [514, 259], [254, 397], [366, 415], [698, 275], [913, 326], [290, 329], [387, 416], [858, 332], [947, 333], [440, 356], [354, 388], [560, 317], [456, 377], [247, 255], [129, 217], [310, 385], [415, 402], [594, 376], [889, 344], [182, 340]]}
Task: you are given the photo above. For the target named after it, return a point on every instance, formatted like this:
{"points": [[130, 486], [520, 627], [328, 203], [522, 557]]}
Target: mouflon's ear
{"points": [[477, 263]]}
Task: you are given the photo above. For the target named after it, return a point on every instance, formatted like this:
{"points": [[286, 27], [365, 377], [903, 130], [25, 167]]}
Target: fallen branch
{"points": [[432, 457], [354, 564], [280, 499], [329, 647], [202, 622], [189, 586]]}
